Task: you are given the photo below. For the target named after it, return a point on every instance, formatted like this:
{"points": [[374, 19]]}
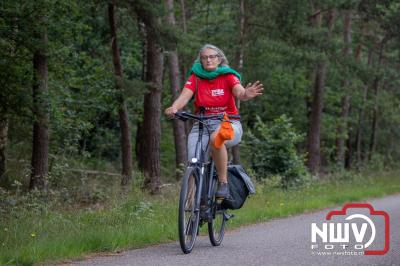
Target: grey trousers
{"points": [[213, 125]]}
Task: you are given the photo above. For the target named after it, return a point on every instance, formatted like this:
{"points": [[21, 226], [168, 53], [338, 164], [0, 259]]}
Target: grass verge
{"points": [[36, 234]]}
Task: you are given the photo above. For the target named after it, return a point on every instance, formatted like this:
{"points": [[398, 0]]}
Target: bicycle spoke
{"points": [[188, 226]]}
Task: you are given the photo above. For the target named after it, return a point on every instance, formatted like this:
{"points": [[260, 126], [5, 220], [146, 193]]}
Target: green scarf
{"points": [[199, 71]]}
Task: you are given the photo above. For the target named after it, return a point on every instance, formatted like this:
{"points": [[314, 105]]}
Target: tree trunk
{"points": [[179, 126], [342, 130], [152, 101], [375, 89], [184, 61], [183, 10], [4, 122], [349, 152], [374, 125], [3, 146], [126, 146], [239, 65], [40, 147], [242, 26], [362, 108], [139, 144], [313, 136]]}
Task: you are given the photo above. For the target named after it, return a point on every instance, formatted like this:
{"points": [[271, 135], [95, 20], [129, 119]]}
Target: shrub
{"points": [[273, 151]]}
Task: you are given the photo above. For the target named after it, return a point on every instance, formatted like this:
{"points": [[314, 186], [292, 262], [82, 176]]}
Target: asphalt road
{"points": [[278, 242]]}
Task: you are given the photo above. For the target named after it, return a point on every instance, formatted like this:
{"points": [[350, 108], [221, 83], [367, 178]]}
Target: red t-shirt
{"points": [[215, 95]]}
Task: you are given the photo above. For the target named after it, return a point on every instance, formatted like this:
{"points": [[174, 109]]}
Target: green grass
{"points": [[38, 234]]}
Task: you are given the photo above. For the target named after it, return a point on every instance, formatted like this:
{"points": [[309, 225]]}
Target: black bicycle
{"points": [[198, 204]]}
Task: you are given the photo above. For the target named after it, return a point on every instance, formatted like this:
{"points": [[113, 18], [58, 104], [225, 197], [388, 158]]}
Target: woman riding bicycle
{"points": [[215, 86]]}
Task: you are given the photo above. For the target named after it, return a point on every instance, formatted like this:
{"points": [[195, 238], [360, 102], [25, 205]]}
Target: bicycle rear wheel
{"points": [[188, 218], [216, 228]]}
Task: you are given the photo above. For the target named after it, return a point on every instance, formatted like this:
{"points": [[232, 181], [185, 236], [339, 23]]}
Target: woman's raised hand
{"points": [[254, 89]]}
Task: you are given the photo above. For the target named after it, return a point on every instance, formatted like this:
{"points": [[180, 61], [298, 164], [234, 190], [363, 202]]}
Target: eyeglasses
{"points": [[211, 57]]}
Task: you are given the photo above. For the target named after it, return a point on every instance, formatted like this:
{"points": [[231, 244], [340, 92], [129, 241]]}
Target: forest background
{"points": [[84, 85]]}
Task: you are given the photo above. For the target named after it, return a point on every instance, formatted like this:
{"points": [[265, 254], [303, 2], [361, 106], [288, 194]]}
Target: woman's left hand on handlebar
{"points": [[170, 112]]}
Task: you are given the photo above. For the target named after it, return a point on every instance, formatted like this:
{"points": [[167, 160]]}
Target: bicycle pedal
{"points": [[228, 216]]}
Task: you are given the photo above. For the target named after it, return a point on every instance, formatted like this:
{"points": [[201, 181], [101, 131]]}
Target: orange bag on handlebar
{"points": [[225, 132]]}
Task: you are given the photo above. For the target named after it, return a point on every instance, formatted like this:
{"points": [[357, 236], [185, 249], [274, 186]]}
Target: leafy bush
{"points": [[273, 152]]}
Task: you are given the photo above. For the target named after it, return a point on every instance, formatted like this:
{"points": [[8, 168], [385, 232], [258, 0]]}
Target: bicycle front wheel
{"points": [[188, 220], [216, 227]]}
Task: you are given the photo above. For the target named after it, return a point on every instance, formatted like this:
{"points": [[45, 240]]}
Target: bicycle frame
{"points": [[199, 162]]}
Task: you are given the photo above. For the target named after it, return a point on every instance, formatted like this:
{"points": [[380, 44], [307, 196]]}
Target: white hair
{"points": [[221, 55]]}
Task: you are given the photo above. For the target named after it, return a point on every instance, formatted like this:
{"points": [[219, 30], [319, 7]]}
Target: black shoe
{"points": [[223, 191]]}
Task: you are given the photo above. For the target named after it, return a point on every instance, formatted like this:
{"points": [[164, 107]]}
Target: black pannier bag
{"points": [[240, 187]]}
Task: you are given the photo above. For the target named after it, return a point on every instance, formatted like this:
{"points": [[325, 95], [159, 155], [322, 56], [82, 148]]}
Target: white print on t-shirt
{"points": [[188, 82], [216, 108], [217, 92]]}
